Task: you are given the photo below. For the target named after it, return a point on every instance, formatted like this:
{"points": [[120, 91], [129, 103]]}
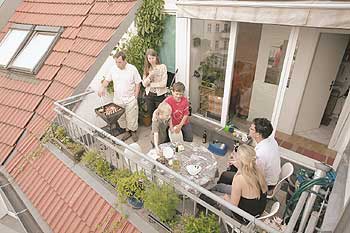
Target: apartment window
{"points": [[226, 27], [217, 27], [226, 43], [25, 47], [216, 44], [209, 27]]}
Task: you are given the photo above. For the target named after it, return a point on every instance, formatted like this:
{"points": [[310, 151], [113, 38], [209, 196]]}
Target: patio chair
{"points": [[286, 171], [129, 155]]}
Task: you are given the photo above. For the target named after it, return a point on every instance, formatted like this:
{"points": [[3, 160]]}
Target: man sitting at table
{"points": [[160, 125], [267, 153]]}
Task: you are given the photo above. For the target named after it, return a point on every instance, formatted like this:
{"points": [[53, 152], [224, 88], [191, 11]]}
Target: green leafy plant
{"points": [[132, 186], [117, 174], [201, 224], [211, 71], [161, 201]]}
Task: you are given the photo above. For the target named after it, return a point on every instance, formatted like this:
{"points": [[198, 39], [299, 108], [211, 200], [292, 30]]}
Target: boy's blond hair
{"points": [[164, 109], [179, 87]]}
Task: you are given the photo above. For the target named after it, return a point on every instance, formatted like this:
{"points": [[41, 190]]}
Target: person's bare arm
{"points": [[156, 141], [137, 90], [178, 127], [236, 191], [102, 91]]}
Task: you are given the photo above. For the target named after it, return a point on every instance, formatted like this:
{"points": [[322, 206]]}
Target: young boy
{"points": [[180, 112], [160, 124]]}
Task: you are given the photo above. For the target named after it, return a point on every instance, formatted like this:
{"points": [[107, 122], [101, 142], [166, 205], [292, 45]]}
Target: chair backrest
{"points": [[129, 155], [286, 171], [274, 209]]}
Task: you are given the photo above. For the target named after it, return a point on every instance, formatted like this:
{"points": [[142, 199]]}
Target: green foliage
{"points": [[132, 186], [150, 21], [60, 134], [90, 159], [202, 224], [161, 201], [116, 174], [211, 70], [76, 148]]}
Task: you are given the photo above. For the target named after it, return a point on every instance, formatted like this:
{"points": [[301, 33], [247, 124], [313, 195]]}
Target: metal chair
{"points": [[286, 171]]}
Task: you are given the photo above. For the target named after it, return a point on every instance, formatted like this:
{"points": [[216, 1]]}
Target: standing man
{"points": [[126, 82]]}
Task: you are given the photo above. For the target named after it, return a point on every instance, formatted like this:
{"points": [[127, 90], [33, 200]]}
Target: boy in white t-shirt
{"points": [[126, 82]]}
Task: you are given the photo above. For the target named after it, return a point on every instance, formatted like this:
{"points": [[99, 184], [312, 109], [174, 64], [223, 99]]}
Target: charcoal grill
{"points": [[111, 119]]}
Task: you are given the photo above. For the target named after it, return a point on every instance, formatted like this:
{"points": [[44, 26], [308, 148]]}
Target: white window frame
{"points": [[282, 87], [33, 30]]}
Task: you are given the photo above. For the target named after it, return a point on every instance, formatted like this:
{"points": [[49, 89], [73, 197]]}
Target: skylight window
{"points": [[10, 44], [35, 49], [25, 47]]}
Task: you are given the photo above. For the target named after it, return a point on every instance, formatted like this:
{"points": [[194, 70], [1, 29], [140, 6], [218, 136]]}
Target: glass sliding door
{"points": [[208, 56]]}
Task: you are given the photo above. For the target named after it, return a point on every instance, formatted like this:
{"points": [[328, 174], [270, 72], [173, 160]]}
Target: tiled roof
{"points": [[62, 198]]}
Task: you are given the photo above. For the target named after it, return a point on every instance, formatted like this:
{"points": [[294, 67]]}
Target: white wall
{"points": [[307, 43], [326, 62], [263, 94]]}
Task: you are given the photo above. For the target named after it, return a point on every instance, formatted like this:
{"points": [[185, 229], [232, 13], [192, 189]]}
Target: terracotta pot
{"points": [[146, 120]]}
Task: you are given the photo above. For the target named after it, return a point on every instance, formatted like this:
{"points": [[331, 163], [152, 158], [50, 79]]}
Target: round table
{"points": [[193, 154]]}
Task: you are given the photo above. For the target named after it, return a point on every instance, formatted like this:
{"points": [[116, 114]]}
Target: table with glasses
{"points": [[193, 154]]}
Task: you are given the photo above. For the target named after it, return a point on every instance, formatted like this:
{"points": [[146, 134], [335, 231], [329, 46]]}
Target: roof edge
{"points": [[100, 59], [33, 211]]}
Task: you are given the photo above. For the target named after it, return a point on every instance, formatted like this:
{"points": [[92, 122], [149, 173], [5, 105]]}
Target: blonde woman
{"points": [[154, 80], [248, 189]]}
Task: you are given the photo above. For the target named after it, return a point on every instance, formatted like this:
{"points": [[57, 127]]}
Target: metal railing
{"points": [[114, 151]]}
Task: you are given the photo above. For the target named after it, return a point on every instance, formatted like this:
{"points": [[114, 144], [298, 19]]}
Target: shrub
{"points": [[161, 201], [132, 186], [202, 224]]}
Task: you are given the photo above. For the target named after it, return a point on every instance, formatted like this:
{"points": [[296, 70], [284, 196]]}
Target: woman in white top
{"points": [[154, 80]]}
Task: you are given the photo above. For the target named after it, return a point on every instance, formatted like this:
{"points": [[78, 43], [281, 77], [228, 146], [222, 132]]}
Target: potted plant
{"points": [[132, 189], [161, 202], [201, 224]]}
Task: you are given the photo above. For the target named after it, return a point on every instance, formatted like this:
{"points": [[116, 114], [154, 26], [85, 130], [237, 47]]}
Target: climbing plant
{"points": [[150, 21]]}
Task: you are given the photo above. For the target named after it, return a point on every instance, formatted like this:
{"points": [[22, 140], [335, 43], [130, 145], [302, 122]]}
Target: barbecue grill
{"points": [[111, 118]]}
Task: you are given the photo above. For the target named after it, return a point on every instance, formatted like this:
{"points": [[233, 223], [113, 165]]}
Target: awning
{"points": [[300, 13]]}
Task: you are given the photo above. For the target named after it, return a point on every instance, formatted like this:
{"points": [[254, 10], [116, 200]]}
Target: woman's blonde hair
{"points": [[147, 65], [250, 172]]}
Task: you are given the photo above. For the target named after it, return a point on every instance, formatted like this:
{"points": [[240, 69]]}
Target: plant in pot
{"points": [[132, 189], [200, 224], [93, 160], [161, 202]]}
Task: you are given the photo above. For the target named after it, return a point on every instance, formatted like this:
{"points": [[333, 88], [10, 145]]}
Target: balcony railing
{"points": [[80, 130]]}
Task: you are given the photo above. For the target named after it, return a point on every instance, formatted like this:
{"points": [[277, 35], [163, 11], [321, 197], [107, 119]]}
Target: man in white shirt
{"points": [[267, 150], [126, 82], [267, 153]]}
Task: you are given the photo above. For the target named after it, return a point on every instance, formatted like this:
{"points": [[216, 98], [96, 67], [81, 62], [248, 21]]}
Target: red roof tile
{"points": [[103, 21], [19, 100], [88, 47], [48, 20], [14, 116], [9, 134], [93, 33], [47, 72], [70, 76], [79, 61], [37, 88], [53, 8], [5, 150], [70, 33], [64, 1], [38, 125], [112, 8], [55, 58], [58, 91], [63, 45], [91, 212], [46, 110]]}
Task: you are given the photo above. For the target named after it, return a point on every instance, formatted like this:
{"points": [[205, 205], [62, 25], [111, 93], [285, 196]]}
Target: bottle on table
{"points": [[204, 137]]}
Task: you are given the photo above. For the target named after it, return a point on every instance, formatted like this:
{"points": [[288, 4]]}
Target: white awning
{"points": [[300, 13]]}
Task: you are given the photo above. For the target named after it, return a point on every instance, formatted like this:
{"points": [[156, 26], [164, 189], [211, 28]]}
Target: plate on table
{"points": [[168, 152], [193, 169]]}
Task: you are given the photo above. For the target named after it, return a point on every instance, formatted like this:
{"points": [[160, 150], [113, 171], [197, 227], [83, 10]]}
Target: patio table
{"points": [[193, 154]]}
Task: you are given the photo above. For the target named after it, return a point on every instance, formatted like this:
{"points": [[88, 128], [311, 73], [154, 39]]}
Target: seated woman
{"points": [[248, 189]]}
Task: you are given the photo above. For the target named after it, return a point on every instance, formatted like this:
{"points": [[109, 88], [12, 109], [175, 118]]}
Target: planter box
{"points": [[154, 219], [74, 156]]}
